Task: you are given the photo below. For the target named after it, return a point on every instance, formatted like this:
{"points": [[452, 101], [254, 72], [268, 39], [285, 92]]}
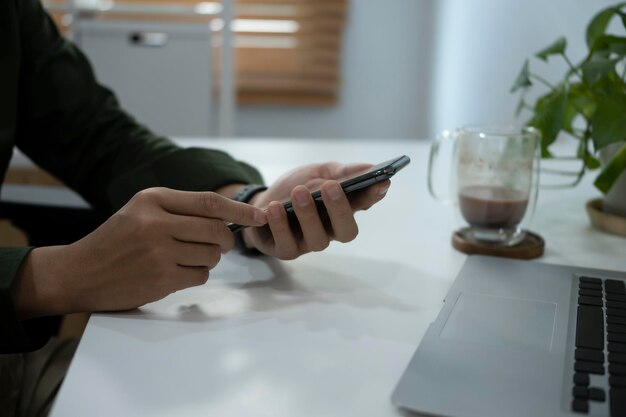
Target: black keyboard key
{"points": [[615, 312], [614, 286], [617, 357], [590, 286], [589, 355], [580, 392], [617, 381], [589, 367], [611, 297], [597, 394], [609, 304], [581, 379], [616, 328], [590, 280], [617, 398], [617, 369], [616, 320], [592, 293], [591, 301], [580, 406], [590, 328], [617, 338], [617, 347]]}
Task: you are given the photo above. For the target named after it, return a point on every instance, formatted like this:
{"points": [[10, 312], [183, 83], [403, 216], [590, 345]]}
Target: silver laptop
{"points": [[519, 338]]}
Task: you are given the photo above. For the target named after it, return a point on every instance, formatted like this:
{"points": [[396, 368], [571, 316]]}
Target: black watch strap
{"points": [[245, 195]]}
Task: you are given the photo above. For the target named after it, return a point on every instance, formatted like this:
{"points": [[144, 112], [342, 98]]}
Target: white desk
{"points": [[326, 335]]}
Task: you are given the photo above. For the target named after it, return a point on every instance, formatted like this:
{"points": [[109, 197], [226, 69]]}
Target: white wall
{"points": [[481, 45], [414, 67], [384, 94]]}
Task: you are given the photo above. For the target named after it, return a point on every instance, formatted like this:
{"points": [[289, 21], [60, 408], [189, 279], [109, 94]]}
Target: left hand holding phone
{"points": [[314, 229]]}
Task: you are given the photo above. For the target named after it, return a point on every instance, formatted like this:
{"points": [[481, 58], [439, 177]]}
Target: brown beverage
{"points": [[492, 207]]}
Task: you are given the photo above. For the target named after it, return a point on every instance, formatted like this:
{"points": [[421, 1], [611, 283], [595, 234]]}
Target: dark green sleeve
{"points": [[74, 128], [16, 335]]}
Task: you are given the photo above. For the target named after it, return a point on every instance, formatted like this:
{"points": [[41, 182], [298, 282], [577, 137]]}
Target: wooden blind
{"points": [[287, 51], [302, 66]]}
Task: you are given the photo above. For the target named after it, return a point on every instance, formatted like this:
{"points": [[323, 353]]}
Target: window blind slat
{"points": [[309, 70], [287, 51]]}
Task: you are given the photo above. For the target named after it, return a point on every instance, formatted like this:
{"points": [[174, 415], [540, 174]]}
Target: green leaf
{"points": [[608, 86], [523, 79], [582, 99], [597, 67], [590, 161], [577, 104], [623, 16], [612, 171], [569, 115], [546, 154], [609, 44], [600, 21], [549, 116], [556, 48], [609, 122]]}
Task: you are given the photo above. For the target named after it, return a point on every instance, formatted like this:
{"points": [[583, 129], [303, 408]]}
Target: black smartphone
{"points": [[377, 173]]}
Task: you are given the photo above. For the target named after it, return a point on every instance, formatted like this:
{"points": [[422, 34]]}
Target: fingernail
{"points": [[383, 191], [260, 217], [334, 191], [301, 197]]}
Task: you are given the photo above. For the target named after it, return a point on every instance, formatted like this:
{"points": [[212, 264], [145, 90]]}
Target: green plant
{"points": [[589, 104]]}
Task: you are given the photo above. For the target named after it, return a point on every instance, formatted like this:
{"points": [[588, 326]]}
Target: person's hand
{"points": [[312, 231], [161, 241]]}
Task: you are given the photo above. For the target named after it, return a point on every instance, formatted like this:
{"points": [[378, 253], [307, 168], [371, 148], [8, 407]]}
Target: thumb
{"points": [[353, 169]]}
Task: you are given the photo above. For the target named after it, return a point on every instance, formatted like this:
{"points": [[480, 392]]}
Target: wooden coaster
{"points": [[531, 247], [607, 222]]}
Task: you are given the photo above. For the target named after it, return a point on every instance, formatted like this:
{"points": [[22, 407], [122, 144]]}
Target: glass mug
{"points": [[493, 181]]}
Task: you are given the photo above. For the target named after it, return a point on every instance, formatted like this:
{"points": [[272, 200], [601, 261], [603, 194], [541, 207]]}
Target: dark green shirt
{"points": [[54, 111]]}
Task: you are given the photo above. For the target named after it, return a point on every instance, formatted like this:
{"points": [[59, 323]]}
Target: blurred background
{"points": [[320, 68], [341, 69]]}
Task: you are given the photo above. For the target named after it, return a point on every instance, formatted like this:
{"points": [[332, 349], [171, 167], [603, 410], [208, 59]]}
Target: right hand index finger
{"points": [[209, 204]]}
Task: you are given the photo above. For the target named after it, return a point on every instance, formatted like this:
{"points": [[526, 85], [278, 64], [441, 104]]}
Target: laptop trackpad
{"points": [[501, 321]]}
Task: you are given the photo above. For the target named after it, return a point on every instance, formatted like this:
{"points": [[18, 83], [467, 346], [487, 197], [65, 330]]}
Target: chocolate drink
{"points": [[492, 207]]}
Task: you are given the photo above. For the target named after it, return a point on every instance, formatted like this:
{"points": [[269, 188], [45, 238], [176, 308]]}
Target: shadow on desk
{"points": [[348, 288]]}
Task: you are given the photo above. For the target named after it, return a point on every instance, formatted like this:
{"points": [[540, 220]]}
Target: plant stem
{"points": [[543, 81], [571, 66], [585, 151]]}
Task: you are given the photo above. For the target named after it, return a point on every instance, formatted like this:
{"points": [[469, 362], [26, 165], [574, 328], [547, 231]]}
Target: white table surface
{"points": [[328, 334]]}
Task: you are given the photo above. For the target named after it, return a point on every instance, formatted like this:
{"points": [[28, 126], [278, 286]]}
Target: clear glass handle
{"points": [[433, 161]]}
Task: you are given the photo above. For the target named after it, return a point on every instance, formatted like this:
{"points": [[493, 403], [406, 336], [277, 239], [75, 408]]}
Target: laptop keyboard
{"points": [[600, 345]]}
